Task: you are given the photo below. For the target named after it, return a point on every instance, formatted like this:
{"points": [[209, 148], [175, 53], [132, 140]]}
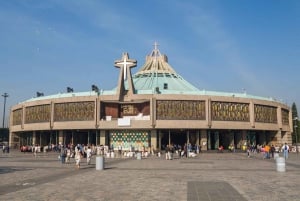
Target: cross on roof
{"points": [[125, 63], [156, 45]]}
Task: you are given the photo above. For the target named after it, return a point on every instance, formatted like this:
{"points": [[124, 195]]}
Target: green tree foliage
{"points": [[294, 111], [296, 123]]}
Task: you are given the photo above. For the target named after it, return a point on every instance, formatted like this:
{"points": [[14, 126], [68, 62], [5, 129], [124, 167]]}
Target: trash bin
{"points": [[280, 164], [99, 163], [139, 156]]}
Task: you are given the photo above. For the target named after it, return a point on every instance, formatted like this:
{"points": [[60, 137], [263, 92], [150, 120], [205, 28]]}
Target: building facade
{"points": [[151, 108]]}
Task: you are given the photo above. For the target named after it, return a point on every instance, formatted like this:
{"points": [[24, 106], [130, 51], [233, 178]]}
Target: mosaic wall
{"points": [[265, 114], [17, 117], [226, 111], [78, 111], [136, 139], [37, 114], [285, 116], [180, 110]]}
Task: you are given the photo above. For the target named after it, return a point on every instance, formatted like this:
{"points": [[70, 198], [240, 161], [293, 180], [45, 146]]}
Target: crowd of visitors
{"points": [[268, 151]]}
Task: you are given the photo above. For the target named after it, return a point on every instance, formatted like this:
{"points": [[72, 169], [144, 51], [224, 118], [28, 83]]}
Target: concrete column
{"points": [[239, 141], [203, 140], [33, 137], [231, 138], [159, 138], [197, 137], [72, 137], [279, 117], [244, 138], [97, 137], [102, 137], [60, 137], [153, 139], [252, 115], [41, 143]]}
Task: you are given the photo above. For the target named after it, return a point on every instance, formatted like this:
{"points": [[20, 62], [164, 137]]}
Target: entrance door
{"points": [[214, 139], [177, 137]]}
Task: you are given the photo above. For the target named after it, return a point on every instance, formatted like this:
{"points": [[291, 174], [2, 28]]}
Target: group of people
{"points": [[269, 151], [187, 150], [5, 148], [77, 152]]}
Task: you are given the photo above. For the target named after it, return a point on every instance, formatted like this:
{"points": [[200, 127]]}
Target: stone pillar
{"points": [[198, 137], [203, 140], [159, 138], [153, 139], [169, 141], [34, 137], [60, 137], [72, 137], [244, 138], [97, 137], [102, 137], [239, 141], [231, 138], [252, 114], [279, 117]]}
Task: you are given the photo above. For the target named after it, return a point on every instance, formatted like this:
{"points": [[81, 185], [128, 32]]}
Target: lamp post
{"points": [[5, 95], [296, 126]]}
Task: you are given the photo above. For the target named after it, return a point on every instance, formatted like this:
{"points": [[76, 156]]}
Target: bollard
{"points": [[139, 156], [280, 164], [99, 163]]}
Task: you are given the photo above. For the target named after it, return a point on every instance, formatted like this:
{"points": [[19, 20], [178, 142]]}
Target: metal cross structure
{"points": [[5, 95]]}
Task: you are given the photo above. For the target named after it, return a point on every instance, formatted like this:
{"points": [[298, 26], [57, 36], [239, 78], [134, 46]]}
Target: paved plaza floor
{"points": [[207, 177]]}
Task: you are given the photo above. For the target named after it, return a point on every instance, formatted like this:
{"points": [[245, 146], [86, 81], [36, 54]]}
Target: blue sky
{"points": [[216, 45]]}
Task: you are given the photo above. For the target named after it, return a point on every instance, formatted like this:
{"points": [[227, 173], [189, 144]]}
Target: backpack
{"points": [[285, 147]]}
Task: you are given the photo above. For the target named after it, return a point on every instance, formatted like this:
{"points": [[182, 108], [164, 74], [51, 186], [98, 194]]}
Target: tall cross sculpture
{"points": [[125, 63], [125, 74]]}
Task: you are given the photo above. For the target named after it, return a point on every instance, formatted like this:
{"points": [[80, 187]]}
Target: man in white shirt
{"points": [[285, 149]]}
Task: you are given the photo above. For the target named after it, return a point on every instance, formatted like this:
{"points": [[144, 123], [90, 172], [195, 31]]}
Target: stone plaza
{"points": [[210, 176]]}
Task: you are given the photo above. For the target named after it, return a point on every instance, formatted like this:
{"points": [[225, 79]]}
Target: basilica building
{"points": [[154, 107]]}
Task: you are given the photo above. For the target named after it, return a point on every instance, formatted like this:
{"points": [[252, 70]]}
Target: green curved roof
{"points": [[157, 76], [156, 73]]}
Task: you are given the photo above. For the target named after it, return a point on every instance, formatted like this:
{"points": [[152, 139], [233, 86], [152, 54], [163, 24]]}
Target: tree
{"points": [[294, 111], [295, 122]]}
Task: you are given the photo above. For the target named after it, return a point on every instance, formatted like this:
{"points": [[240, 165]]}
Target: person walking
{"points": [[267, 151], [78, 156], [272, 151], [167, 152], [88, 155], [68, 155], [285, 149]]}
